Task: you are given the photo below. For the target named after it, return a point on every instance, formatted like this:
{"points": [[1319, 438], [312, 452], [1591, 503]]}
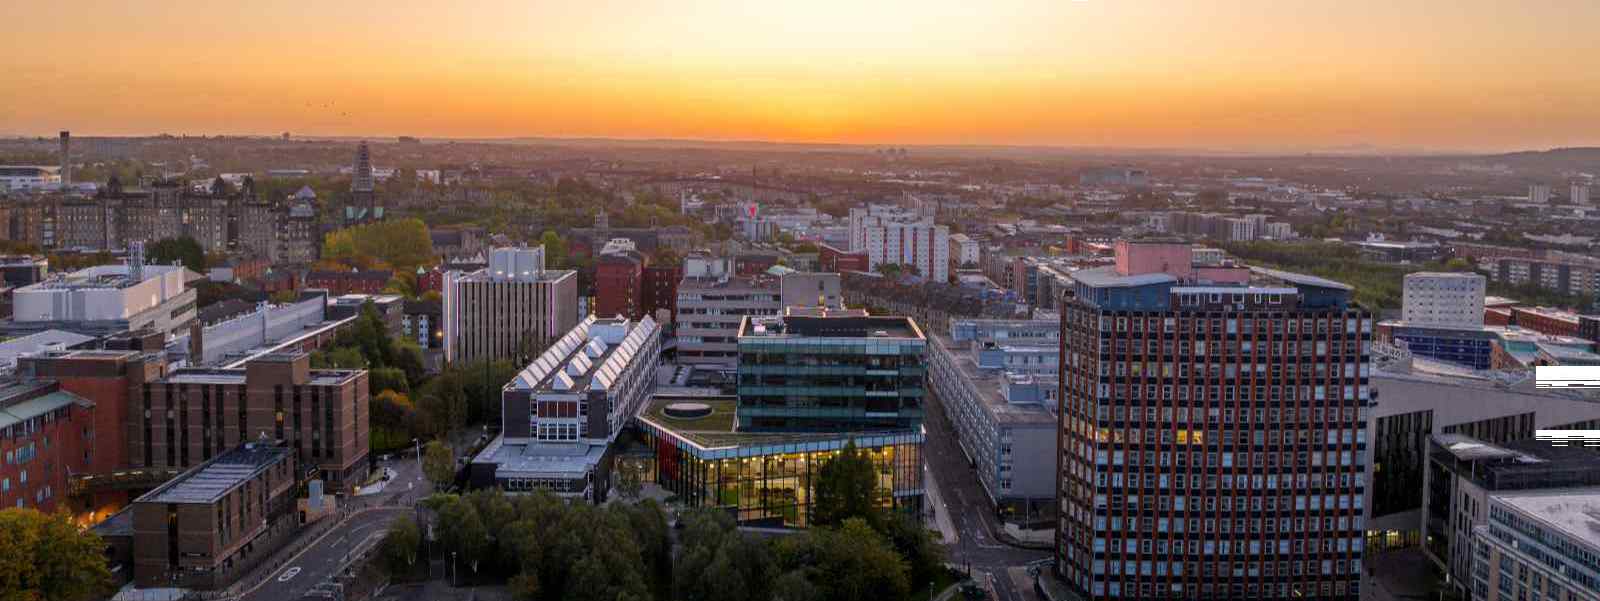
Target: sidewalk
{"points": [[941, 513]]}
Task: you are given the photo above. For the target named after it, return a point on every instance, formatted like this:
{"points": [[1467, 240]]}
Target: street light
{"points": [[453, 568], [418, 442]]}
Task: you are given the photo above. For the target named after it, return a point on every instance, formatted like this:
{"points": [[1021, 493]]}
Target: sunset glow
{"points": [[1286, 74]]}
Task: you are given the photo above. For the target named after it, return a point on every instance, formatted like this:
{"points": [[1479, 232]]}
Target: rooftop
{"points": [[589, 357], [989, 384], [236, 375], [211, 480], [795, 326], [719, 429], [1106, 277], [1300, 279], [1574, 512], [541, 460], [34, 403]]}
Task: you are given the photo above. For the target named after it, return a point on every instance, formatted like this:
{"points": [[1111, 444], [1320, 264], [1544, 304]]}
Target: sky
{"points": [[1478, 75]]}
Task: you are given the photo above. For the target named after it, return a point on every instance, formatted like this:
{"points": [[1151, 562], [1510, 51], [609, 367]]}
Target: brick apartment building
{"points": [[340, 283]]}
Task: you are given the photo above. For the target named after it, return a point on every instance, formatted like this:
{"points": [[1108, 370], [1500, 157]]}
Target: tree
{"points": [[1458, 264], [399, 548], [912, 541], [847, 487], [555, 249], [630, 476], [463, 532], [183, 250], [851, 563], [221, 187], [47, 557], [439, 464], [386, 379]]}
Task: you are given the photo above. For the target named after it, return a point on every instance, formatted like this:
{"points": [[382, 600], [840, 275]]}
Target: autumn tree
{"points": [[47, 557], [183, 250]]}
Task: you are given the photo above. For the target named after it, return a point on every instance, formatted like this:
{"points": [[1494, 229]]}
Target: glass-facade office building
{"points": [[821, 374]]}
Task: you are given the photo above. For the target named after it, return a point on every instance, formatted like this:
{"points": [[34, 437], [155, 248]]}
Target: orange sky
{"points": [[1243, 74]]}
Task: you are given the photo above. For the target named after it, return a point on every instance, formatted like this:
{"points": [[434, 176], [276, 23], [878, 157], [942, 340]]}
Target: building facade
{"points": [[1539, 546], [511, 309], [45, 434], [1209, 437], [894, 236], [711, 304], [1003, 413], [1443, 299], [875, 378], [106, 299], [192, 415], [563, 412], [211, 524]]}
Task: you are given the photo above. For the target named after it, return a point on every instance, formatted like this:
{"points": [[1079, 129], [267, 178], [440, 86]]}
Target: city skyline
{"points": [[1256, 76]]}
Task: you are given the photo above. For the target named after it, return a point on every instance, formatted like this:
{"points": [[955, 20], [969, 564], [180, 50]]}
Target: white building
{"points": [[964, 250], [1453, 300], [106, 299], [892, 235], [1539, 545], [1278, 230], [1580, 194], [508, 310], [1539, 194], [712, 303]]}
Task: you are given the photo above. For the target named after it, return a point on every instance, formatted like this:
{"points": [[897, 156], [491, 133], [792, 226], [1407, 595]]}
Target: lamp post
{"points": [[453, 568]]}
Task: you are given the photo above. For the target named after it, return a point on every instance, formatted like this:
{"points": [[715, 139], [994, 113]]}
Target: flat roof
{"points": [[1574, 512], [236, 375], [211, 480], [1301, 279], [1106, 277], [718, 434], [804, 326], [989, 382], [541, 460]]}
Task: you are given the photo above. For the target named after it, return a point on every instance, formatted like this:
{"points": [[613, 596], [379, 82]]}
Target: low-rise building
{"points": [[562, 412], [211, 524], [44, 435], [106, 299]]}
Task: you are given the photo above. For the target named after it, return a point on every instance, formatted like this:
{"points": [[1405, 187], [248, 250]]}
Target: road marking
{"points": [[289, 574]]}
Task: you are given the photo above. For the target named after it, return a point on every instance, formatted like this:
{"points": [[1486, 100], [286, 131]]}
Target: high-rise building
{"points": [[1210, 437], [1580, 195], [511, 309], [1539, 194], [893, 236], [1443, 299], [66, 160]]}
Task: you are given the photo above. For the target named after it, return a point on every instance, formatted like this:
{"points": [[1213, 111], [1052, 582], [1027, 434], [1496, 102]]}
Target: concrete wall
{"points": [[256, 329]]}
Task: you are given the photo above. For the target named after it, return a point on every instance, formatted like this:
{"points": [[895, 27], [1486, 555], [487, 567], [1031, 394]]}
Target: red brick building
{"points": [[43, 430], [432, 279], [831, 259], [661, 291], [619, 283], [349, 282], [1544, 320]]}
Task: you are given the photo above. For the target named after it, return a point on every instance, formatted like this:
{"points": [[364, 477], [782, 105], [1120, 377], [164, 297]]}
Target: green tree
{"points": [[439, 464], [463, 532], [47, 557], [851, 563], [398, 551], [555, 249], [383, 379], [630, 477], [847, 487], [183, 250]]}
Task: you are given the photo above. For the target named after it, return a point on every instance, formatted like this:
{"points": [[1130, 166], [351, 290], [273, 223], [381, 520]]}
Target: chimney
{"points": [[66, 159]]}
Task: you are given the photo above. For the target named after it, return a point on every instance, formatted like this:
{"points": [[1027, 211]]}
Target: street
{"points": [[366, 519], [966, 504]]}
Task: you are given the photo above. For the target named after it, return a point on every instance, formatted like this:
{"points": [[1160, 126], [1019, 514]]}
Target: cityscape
{"points": [[569, 307]]}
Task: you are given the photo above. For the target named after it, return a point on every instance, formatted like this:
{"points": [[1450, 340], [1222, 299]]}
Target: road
{"points": [[969, 509], [363, 525]]}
